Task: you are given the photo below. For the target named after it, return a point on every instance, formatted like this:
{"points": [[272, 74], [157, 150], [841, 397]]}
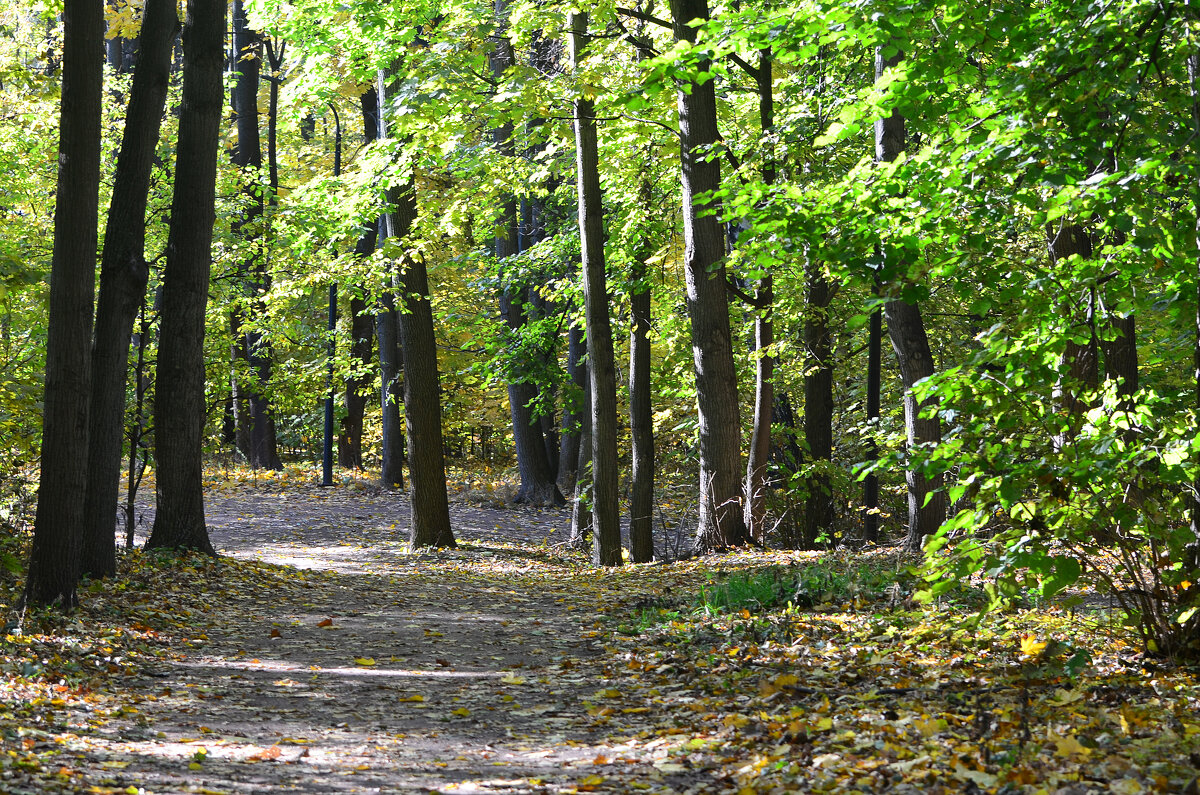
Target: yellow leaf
{"points": [[512, 679], [364, 660], [610, 692], [413, 697], [1068, 746], [1063, 697], [1031, 646], [461, 712], [823, 725]]}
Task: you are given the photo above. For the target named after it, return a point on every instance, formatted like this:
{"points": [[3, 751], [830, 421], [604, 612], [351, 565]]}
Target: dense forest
{"points": [[648, 255]]}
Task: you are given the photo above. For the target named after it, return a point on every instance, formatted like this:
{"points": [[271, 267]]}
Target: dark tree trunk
{"points": [[123, 277], [422, 399], [606, 513], [362, 335], [641, 418], [362, 326], [54, 565], [764, 334], [581, 503], [179, 395], [1193, 549], [871, 482], [258, 433], [538, 485], [818, 407], [721, 522], [1080, 363], [568, 455], [391, 393], [926, 502]]}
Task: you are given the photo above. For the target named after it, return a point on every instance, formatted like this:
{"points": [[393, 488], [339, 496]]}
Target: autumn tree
{"points": [[179, 409], [55, 560], [123, 277]]}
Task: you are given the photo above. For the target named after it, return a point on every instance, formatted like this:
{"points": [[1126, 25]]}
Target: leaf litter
{"points": [[319, 655]]}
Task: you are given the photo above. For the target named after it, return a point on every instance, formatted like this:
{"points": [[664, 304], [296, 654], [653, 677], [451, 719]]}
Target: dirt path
{"points": [[376, 670]]}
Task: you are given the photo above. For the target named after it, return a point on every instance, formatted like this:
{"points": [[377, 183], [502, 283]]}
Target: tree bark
{"points": [[568, 455], [641, 414], [764, 335], [362, 327], [906, 328], [721, 522], [391, 391], [818, 407], [259, 435], [871, 482], [54, 564], [538, 485], [123, 277], [1080, 361], [581, 503], [179, 397], [606, 513], [422, 399]]}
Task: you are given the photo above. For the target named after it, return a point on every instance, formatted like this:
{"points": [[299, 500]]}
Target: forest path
{"points": [[369, 669]]}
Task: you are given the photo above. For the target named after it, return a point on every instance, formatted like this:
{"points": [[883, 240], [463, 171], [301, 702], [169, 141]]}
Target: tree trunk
{"points": [[641, 417], [54, 565], [362, 327], [1080, 362], [764, 335], [391, 392], [871, 482], [568, 455], [926, 503], [179, 397], [123, 277], [818, 408], [581, 503], [262, 448], [721, 523], [606, 513], [422, 400], [538, 485]]}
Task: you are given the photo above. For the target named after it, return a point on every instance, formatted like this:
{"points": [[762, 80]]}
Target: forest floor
{"points": [[319, 655]]}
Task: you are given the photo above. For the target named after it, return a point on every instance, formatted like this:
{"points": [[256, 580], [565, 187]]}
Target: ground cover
{"points": [[317, 654]]}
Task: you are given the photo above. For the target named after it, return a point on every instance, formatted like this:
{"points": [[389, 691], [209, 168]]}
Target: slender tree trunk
{"points": [[764, 335], [538, 485], [641, 409], [54, 565], [926, 501], [391, 393], [1193, 551], [422, 401], [123, 277], [362, 326], [721, 521], [179, 396], [818, 407], [871, 482], [1080, 362], [568, 455], [581, 503], [606, 513]]}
